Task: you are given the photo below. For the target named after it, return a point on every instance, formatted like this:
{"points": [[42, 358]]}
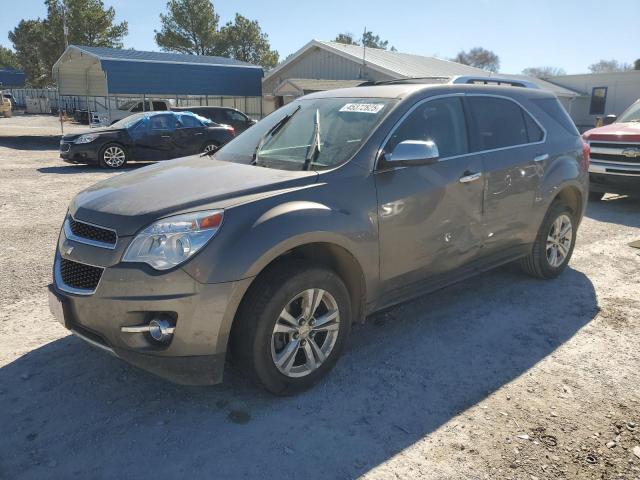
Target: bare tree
{"points": [[543, 72], [609, 66], [479, 57]]}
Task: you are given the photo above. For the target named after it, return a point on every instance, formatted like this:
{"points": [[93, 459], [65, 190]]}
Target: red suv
{"points": [[615, 155]]}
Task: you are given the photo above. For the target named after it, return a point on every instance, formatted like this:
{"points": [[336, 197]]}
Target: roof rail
{"points": [[471, 80], [399, 81]]}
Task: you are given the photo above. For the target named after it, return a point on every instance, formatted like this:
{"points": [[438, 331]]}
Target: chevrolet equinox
{"points": [[333, 207]]}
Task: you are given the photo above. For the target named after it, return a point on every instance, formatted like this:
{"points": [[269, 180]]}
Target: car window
{"points": [[162, 122], [497, 123], [558, 114], [236, 116], [159, 106], [188, 121], [138, 107], [441, 121], [534, 132]]}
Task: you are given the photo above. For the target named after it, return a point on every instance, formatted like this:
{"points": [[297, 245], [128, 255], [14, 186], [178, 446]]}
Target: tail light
{"points": [[586, 152], [231, 129]]}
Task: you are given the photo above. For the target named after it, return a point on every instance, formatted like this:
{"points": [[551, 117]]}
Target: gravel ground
{"points": [[499, 377]]}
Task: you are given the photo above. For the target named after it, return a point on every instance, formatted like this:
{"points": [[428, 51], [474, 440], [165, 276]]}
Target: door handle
{"points": [[470, 177], [165, 136], [541, 158], [199, 133]]}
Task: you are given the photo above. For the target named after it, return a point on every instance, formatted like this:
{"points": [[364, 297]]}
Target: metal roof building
{"points": [[11, 78], [97, 71], [323, 65]]}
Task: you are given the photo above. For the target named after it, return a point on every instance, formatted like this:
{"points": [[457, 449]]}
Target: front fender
{"points": [[256, 233]]}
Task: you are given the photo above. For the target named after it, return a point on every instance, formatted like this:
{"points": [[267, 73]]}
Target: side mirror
{"points": [[609, 119], [414, 152]]}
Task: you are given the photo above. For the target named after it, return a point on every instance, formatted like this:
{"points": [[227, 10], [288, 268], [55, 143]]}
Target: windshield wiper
{"points": [[271, 132], [314, 148]]}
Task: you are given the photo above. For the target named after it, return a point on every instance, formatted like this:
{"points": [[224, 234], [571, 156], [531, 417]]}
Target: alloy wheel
{"points": [[209, 148], [559, 241], [114, 156], [305, 333]]}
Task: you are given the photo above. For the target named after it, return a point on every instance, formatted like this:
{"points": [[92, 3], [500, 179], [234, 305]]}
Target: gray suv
{"points": [[333, 207]]}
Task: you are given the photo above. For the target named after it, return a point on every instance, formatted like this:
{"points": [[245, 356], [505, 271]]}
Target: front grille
{"points": [[616, 152], [78, 275], [92, 232]]}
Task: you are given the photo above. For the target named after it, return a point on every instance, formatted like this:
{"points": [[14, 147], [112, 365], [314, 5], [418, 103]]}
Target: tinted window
{"points": [[598, 101], [162, 122], [187, 121], [497, 123], [441, 121], [534, 132], [236, 117], [558, 114], [159, 106]]}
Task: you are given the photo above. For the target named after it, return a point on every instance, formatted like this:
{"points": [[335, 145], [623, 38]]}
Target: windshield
{"points": [[631, 114], [129, 121], [335, 128]]}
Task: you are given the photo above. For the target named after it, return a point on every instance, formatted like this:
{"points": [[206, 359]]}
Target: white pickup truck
{"points": [[128, 108]]}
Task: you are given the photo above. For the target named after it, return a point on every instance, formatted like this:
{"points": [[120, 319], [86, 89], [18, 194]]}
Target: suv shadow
{"points": [[69, 410]]}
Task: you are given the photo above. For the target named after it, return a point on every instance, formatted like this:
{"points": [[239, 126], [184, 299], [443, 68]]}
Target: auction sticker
{"points": [[362, 107]]}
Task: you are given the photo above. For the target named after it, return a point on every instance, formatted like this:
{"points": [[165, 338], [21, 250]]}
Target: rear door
{"points": [[511, 145], [189, 136], [157, 142], [430, 216]]}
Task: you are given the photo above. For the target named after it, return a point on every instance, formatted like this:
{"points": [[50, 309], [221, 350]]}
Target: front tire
{"points": [[554, 243], [292, 326], [113, 156]]}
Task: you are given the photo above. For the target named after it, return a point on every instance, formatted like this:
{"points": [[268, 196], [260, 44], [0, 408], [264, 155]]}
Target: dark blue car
{"points": [[145, 136]]}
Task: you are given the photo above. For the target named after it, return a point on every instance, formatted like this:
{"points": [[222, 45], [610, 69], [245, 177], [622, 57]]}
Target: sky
{"points": [[570, 34]]}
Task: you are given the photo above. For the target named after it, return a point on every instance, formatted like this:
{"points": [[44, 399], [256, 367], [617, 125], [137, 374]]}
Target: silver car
{"points": [[335, 206]]}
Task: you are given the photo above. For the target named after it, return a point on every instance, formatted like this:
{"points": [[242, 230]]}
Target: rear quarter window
{"points": [[558, 114], [497, 123]]}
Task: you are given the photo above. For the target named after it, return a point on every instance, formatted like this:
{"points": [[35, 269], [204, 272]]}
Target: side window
{"points": [[159, 106], [441, 121], [534, 132], [496, 123], [187, 121], [236, 116], [162, 122], [137, 108], [598, 101]]}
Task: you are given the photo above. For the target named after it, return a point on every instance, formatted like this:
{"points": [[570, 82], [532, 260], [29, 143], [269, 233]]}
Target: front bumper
{"points": [[84, 153], [609, 177], [132, 294]]}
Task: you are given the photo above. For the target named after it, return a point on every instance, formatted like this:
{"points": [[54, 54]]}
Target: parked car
{"points": [[615, 155], [6, 106], [335, 206], [222, 115], [129, 108], [145, 136]]}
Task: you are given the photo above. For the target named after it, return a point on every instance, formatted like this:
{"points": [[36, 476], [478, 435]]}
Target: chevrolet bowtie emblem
{"points": [[631, 152]]}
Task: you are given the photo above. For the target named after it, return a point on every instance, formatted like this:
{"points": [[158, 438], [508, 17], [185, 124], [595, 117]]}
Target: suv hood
{"points": [[615, 132], [131, 201]]}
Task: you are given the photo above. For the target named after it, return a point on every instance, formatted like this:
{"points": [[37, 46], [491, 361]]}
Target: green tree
{"points": [[346, 38], [39, 43], [636, 64], [480, 58], [370, 40], [8, 59], [189, 26], [244, 40]]}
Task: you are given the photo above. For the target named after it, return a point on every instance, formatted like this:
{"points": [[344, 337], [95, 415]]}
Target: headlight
{"points": [[89, 137], [172, 240]]}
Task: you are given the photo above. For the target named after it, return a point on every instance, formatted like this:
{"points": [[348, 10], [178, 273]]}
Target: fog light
{"points": [[161, 330]]}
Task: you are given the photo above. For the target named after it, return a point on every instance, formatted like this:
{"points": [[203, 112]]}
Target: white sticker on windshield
{"points": [[362, 107]]}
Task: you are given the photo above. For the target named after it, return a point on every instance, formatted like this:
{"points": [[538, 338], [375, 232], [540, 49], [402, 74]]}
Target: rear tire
{"points": [[282, 345], [113, 156], [210, 148], [554, 243], [596, 196]]}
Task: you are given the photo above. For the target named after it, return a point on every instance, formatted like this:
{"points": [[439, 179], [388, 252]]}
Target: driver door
{"points": [[157, 142], [430, 216]]}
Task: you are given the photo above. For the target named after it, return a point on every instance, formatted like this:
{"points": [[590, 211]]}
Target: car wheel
{"points": [[113, 156], [554, 243], [291, 327], [596, 196], [209, 148]]}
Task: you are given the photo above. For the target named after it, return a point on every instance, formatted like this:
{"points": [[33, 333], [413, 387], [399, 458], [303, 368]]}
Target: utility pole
{"points": [[65, 29], [364, 53]]}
